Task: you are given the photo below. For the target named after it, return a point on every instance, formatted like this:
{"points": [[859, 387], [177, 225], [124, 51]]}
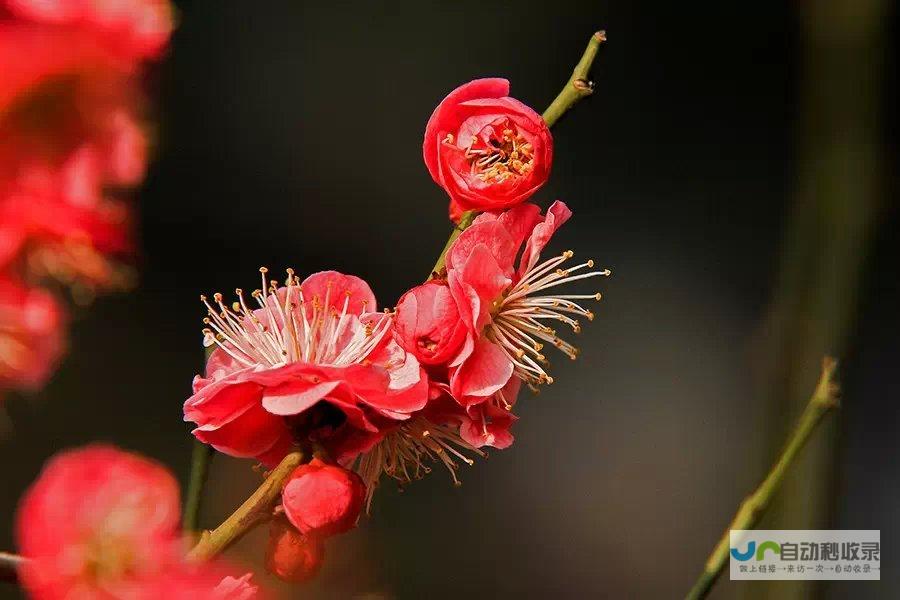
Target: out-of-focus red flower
{"points": [[128, 29], [291, 555], [487, 150], [31, 334], [51, 218], [69, 133], [102, 523], [322, 499], [309, 364], [96, 521]]}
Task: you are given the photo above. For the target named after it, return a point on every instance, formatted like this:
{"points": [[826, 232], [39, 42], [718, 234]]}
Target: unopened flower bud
{"points": [[323, 499], [291, 555]]}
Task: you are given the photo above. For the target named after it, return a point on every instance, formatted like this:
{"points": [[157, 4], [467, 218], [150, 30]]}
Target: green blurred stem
{"points": [[255, 510], [200, 459], [579, 84], [752, 508], [577, 87]]}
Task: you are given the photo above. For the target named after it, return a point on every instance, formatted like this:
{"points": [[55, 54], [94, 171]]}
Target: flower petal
{"points": [[487, 370], [297, 400], [253, 433], [333, 288], [557, 214], [446, 115]]}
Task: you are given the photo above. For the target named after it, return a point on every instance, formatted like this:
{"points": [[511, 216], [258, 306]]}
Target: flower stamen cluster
{"points": [[495, 158], [518, 318], [287, 327], [406, 453]]}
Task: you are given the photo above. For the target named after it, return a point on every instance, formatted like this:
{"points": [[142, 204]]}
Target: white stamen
{"points": [[277, 333], [405, 453], [516, 324]]}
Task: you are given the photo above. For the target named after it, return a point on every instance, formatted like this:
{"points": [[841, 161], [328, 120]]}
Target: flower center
{"points": [[499, 152], [107, 558], [317, 423]]}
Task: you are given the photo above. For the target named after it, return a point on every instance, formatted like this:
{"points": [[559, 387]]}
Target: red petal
{"points": [[253, 433], [445, 117], [490, 234], [487, 370], [557, 214], [298, 400], [337, 287]]}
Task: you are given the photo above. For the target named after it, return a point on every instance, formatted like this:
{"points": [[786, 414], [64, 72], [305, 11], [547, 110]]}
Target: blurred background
{"points": [[736, 169]]}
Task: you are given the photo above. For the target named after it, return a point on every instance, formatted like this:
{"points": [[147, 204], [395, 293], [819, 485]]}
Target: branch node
{"points": [[584, 87], [579, 84]]}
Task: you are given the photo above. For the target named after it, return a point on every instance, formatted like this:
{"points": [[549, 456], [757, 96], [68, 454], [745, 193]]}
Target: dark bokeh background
{"points": [[290, 135]]}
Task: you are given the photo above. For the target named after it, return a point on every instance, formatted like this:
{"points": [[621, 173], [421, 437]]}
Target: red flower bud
{"points": [[428, 324], [487, 150], [292, 556], [323, 499]]}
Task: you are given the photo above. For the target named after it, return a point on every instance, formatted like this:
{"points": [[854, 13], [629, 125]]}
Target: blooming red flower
{"points": [[499, 298], [31, 334], [291, 555], [102, 523], [322, 499], [487, 150], [496, 286], [309, 364]]}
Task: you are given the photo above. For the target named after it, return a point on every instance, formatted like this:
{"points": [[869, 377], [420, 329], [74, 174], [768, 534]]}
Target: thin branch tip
{"points": [[822, 401], [828, 390], [579, 84]]}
